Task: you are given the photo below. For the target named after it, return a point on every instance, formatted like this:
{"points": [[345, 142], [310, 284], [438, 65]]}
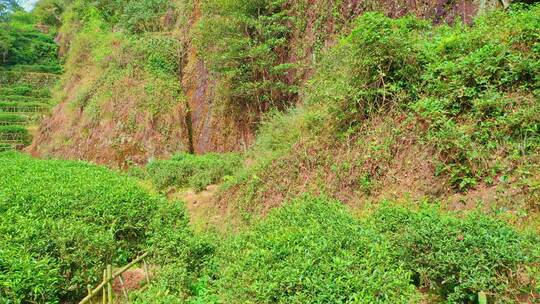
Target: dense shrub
{"points": [[459, 257], [188, 170], [63, 221], [18, 98], [310, 251], [375, 66]]}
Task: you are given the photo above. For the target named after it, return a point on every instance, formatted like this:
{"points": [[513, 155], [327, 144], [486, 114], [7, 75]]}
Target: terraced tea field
{"points": [[24, 98]]}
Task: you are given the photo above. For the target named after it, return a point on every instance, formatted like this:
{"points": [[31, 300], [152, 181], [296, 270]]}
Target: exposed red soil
{"points": [[71, 133], [133, 280]]}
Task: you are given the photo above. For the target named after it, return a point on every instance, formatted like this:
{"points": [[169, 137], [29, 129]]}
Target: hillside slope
{"points": [[419, 112], [147, 79], [387, 157]]}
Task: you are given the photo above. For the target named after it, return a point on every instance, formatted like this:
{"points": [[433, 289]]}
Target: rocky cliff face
{"points": [[111, 111]]}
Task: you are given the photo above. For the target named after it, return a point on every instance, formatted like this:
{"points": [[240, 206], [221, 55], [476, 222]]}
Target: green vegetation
{"points": [[14, 134], [138, 63], [469, 93], [475, 87], [12, 119], [244, 42], [23, 90], [187, 170], [459, 257], [28, 68], [396, 160], [35, 80], [23, 44], [5, 147], [62, 222], [17, 98], [13, 130], [314, 250], [311, 251], [183, 257]]}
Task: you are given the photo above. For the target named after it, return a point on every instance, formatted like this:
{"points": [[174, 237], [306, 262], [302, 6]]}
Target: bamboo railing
{"points": [[105, 287], [23, 110], [11, 138]]}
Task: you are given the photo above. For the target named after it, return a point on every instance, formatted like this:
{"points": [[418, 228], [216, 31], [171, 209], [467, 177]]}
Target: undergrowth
{"points": [[467, 92], [184, 170], [473, 86]]}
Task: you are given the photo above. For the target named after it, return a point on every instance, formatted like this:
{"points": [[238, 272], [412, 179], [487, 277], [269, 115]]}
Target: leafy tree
{"points": [[245, 43]]}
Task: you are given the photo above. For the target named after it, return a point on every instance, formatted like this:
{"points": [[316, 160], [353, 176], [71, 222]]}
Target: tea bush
{"points": [[24, 278], [14, 130], [311, 250], [34, 80], [24, 90], [14, 107], [459, 257], [17, 98], [63, 221], [188, 170], [6, 147], [12, 119]]}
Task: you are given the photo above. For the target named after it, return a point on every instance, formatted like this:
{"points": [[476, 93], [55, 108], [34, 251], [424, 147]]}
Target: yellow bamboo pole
{"points": [[146, 272], [124, 290], [128, 266], [103, 291], [89, 293], [482, 298], [109, 284]]}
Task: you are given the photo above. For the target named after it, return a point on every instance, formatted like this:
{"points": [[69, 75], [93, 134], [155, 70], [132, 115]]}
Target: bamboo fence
{"points": [[105, 288], [23, 110]]}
